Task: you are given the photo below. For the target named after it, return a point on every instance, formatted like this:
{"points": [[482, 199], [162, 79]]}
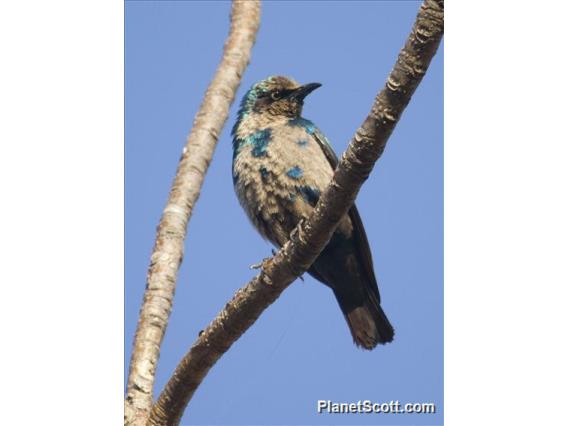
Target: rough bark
{"points": [[168, 250], [311, 236]]}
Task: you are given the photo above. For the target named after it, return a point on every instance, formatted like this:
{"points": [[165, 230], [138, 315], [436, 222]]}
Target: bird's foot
{"points": [[297, 229], [263, 263], [260, 264]]}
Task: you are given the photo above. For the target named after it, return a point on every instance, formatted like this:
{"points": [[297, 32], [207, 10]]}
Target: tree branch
{"points": [[168, 249], [299, 253]]}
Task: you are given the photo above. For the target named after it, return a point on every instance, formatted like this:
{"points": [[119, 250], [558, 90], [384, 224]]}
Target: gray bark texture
{"points": [[311, 236], [168, 250]]}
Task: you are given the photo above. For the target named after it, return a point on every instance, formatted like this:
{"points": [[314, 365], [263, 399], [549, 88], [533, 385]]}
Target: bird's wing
{"points": [[360, 237], [325, 147]]}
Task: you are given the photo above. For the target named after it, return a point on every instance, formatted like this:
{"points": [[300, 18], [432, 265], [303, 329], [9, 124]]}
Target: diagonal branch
{"points": [[168, 250], [299, 253]]}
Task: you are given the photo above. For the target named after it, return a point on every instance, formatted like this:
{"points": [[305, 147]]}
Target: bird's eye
{"points": [[276, 95]]}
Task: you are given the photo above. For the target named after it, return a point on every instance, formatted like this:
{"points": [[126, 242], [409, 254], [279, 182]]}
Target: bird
{"points": [[281, 165]]}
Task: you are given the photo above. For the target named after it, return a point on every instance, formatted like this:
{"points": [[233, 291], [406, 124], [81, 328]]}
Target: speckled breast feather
{"points": [[279, 173]]}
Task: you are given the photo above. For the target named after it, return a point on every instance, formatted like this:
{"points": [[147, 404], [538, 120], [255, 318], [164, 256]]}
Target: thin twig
{"points": [[168, 250], [299, 253]]}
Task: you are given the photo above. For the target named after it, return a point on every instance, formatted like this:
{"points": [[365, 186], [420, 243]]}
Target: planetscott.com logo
{"points": [[367, 407]]}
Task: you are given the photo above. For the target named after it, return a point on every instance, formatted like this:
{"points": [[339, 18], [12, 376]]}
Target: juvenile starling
{"points": [[281, 164]]}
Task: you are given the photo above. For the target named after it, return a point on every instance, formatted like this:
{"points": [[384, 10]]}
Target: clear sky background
{"points": [[300, 350]]}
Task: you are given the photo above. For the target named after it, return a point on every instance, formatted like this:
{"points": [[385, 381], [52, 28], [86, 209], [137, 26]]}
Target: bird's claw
{"points": [[296, 231], [259, 265]]}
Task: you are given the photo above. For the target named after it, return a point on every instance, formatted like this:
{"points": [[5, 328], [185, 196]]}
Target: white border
{"points": [[506, 193], [61, 170], [61, 173]]}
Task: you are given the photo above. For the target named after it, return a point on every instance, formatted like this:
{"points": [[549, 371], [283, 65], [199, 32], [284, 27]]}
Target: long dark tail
{"points": [[346, 266], [368, 323]]}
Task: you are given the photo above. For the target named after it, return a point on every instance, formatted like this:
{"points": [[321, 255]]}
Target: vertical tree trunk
{"points": [[168, 249]]}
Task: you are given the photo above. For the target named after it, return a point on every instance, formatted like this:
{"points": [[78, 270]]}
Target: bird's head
{"points": [[273, 98]]}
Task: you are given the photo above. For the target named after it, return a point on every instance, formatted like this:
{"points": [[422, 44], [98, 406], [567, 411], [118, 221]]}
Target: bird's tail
{"points": [[367, 322]]}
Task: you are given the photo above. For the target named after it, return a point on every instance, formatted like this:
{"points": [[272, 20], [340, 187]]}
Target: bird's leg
{"points": [[296, 233]]}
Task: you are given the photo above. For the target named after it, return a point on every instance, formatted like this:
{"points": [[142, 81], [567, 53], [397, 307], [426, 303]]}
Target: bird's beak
{"points": [[301, 92]]}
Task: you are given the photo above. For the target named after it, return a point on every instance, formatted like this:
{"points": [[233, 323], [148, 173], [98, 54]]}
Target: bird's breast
{"points": [[279, 173]]}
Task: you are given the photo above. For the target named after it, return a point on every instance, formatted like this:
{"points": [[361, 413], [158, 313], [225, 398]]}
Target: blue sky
{"points": [[300, 350]]}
